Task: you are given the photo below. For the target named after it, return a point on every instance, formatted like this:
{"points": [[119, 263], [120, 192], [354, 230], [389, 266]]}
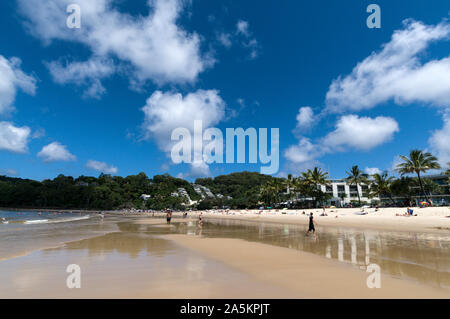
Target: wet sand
{"points": [[145, 258], [305, 275], [127, 265]]}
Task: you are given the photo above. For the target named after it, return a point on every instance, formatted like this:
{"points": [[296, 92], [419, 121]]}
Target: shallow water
{"points": [[422, 257], [28, 231], [132, 255]]}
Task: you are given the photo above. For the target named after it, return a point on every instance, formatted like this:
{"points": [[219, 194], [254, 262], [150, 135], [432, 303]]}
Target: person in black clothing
{"points": [[311, 225], [169, 217]]}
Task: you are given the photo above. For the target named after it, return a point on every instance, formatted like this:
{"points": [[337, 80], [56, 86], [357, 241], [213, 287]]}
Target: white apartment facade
{"points": [[339, 187]]}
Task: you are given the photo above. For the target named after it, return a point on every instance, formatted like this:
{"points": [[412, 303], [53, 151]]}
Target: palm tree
{"points": [[418, 162], [381, 185], [266, 193], [357, 177], [289, 183], [271, 190], [316, 177]]}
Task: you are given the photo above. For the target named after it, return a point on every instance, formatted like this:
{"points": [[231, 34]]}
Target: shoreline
{"points": [[427, 220]]}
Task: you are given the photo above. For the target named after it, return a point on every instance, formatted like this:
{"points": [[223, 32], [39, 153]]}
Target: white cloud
{"points": [[225, 39], [361, 133], [102, 167], [39, 133], [396, 72], [154, 46], [166, 111], [305, 118], [83, 73], [12, 138], [351, 132], [440, 141], [9, 172], [12, 78], [55, 152], [372, 170], [242, 28], [304, 151]]}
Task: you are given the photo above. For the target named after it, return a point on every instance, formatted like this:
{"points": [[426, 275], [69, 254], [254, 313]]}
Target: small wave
{"points": [[45, 221], [38, 221], [65, 220]]}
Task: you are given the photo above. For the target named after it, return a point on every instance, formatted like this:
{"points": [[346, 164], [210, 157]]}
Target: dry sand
{"points": [[303, 275], [431, 219]]}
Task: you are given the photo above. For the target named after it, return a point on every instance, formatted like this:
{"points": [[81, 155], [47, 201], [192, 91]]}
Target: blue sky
{"points": [[74, 103]]}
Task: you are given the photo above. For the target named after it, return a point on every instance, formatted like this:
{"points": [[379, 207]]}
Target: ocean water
{"points": [[23, 231], [38, 217]]}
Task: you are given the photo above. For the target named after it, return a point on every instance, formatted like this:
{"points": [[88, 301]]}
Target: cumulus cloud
{"points": [[361, 133], [351, 132], [305, 118], [12, 78], [14, 139], [154, 46], [85, 73], [167, 111], [56, 152], [101, 167], [440, 141], [304, 151], [242, 28], [225, 39], [9, 172], [372, 170], [396, 73]]}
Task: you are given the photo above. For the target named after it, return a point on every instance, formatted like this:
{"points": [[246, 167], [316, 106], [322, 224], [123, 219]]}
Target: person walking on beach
{"points": [[311, 225], [200, 222], [169, 217]]}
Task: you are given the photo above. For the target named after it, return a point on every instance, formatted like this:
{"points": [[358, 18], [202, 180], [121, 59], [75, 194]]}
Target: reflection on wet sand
{"points": [[421, 257], [135, 260]]}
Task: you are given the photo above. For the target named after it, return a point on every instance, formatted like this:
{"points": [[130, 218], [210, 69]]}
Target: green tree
{"points": [[312, 180], [381, 186], [418, 162], [357, 177]]}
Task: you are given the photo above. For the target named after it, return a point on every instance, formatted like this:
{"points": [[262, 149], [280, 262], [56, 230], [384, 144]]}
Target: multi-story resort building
{"points": [[343, 193]]}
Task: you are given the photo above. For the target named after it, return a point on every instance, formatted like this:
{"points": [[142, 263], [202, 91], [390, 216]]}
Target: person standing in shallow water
{"points": [[311, 225], [169, 217]]}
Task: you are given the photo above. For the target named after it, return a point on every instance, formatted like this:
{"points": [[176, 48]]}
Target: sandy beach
{"points": [[303, 275], [430, 219], [235, 254]]}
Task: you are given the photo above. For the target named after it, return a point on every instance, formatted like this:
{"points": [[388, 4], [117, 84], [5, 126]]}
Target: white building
{"points": [[342, 193]]}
